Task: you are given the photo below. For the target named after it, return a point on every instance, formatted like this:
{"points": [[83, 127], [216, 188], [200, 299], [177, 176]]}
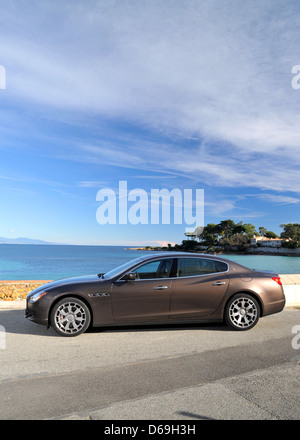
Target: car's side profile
{"points": [[161, 288]]}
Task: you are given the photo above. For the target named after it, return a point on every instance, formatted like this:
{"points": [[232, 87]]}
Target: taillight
{"points": [[278, 280]]}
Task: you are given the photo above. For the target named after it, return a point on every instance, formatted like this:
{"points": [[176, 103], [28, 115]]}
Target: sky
{"points": [[161, 94]]}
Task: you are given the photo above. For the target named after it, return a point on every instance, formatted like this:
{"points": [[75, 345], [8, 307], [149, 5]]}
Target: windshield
{"points": [[120, 269]]}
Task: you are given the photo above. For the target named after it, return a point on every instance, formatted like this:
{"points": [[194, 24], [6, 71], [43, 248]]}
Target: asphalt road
{"points": [[179, 372]]}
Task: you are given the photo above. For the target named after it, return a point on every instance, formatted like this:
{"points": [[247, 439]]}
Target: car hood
{"points": [[67, 281], [74, 280]]}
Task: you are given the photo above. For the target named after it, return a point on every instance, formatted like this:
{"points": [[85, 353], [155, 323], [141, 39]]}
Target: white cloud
{"points": [[217, 71], [202, 164], [276, 199], [92, 184]]}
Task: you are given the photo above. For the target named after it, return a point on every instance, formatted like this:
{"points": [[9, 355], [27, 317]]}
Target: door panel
{"points": [[197, 296], [147, 298], [141, 300]]}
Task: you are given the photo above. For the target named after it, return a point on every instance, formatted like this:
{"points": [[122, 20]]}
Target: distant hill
{"points": [[22, 240]]}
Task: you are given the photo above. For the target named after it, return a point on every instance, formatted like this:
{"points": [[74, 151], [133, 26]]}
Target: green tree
{"points": [[250, 230], [189, 245], [262, 231], [271, 234], [226, 228], [241, 241], [210, 234], [239, 228], [292, 232]]}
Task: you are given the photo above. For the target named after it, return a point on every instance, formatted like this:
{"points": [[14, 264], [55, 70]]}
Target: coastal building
{"points": [[256, 241], [265, 241], [194, 235]]}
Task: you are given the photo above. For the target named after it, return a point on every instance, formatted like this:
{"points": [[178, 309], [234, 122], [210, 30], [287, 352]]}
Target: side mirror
{"points": [[130, 276]]}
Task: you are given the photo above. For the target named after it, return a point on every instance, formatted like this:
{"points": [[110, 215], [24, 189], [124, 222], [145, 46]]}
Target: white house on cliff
{"points": [[269, 242]]}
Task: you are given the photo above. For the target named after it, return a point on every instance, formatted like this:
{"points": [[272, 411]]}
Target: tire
{"points": [[70, 317], [242, 312]]}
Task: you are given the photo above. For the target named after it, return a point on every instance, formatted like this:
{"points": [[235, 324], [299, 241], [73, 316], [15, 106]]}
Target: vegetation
{"points": [[229, 235], [291, 231]]}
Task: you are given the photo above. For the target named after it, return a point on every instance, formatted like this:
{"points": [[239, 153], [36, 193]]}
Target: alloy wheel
{"points": [[242, 312], [70, 317]]}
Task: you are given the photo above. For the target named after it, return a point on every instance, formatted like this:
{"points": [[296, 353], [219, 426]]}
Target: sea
{"points": [[53, 262]]}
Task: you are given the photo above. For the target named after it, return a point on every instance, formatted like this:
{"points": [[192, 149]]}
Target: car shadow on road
{"points": [[161, 327], [14, 321]]}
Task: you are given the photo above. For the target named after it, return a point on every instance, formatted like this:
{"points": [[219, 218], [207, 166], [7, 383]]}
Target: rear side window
{"points": [[188, 267]]}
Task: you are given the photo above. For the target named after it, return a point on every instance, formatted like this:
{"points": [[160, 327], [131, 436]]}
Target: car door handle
{"points": [[160, 287], [219, 283]]}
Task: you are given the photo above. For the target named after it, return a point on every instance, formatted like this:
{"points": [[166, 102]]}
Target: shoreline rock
{"points": [[14, 290]]}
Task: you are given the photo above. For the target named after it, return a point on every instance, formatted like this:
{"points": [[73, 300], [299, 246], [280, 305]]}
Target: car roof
{"points": [[170, 254]]}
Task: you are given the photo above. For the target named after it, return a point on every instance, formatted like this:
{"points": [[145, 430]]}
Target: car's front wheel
{"points": [[242, 312], [70, 317]]}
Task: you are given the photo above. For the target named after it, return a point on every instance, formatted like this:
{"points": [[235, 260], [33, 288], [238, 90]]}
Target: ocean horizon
{"points": [[52, 262]]}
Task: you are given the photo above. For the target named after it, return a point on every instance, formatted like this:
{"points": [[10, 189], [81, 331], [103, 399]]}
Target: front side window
{"points": [[154, 269], [188, 267], [120, 269]]}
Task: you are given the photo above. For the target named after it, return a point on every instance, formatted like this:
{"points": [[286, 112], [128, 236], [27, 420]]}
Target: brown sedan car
{"points": [[163, 288]]}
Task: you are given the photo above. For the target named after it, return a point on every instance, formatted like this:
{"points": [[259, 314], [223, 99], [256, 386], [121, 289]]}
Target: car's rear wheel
{"points": [[70, 317], [242, 312]]}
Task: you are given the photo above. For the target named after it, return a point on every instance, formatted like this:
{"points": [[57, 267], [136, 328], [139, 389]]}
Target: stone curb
{"points": [[17, 305]]}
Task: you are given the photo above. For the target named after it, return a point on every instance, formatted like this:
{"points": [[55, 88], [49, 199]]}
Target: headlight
{"points": [[34, 298]]}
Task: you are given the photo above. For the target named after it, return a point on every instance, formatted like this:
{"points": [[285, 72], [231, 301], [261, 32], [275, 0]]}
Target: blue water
{"points": [[50, 262], [281, 265]]}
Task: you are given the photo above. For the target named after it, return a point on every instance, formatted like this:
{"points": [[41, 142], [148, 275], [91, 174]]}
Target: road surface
{"points": [[183, 372]]}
